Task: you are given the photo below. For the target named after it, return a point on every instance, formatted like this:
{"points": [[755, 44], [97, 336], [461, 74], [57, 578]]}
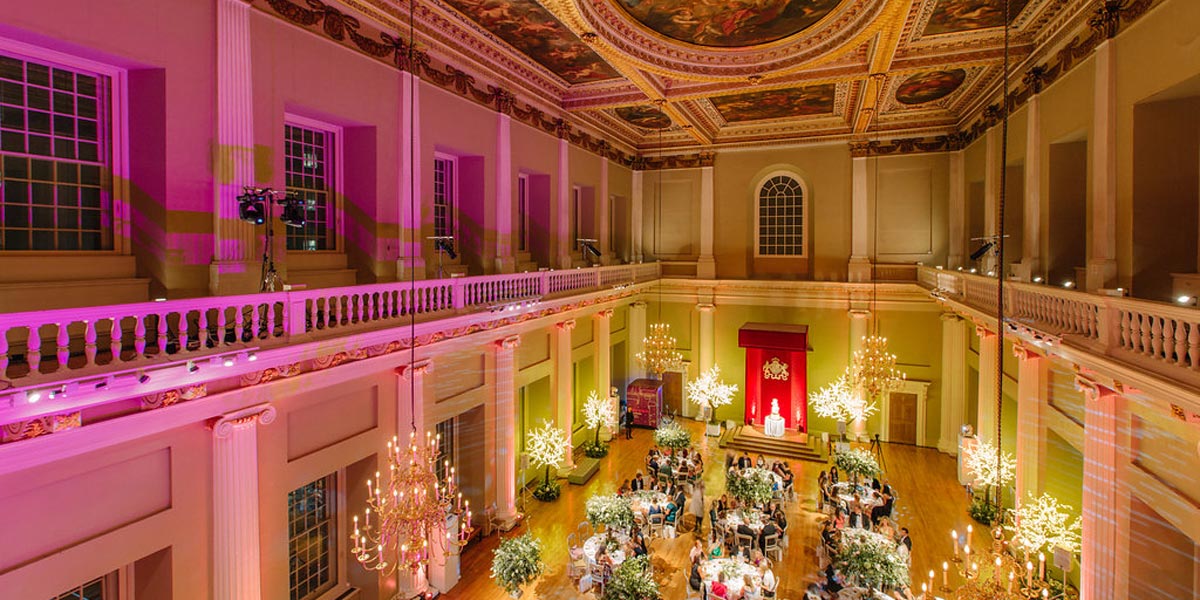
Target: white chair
{"points": [[771, 545], [687, 586], [656, 522]]}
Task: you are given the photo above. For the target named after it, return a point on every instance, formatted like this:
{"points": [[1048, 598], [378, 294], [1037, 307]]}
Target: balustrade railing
{"points": [[1156, 336], [52, 343]]}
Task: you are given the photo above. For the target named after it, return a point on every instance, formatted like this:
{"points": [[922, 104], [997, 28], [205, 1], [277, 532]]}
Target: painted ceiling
{"points": [[723, 73]]}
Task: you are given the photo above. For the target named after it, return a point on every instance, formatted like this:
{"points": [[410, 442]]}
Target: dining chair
{"points": [[771, 545], [656, 521], [744, 541]]}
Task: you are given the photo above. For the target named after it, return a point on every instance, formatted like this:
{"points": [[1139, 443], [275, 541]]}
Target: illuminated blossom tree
{"points": [[710, 393], [841, 402], [1043, 524], [547, 448], [597, 412], [990, 467]]}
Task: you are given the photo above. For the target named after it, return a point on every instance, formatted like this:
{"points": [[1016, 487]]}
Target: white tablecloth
{"points": [[754, 519], [774, 425], [592, 544], [710, 569], [641, 501]]}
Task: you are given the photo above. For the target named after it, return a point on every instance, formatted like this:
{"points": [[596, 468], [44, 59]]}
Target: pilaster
{"points": [[993, 171], [1102, 239], [860, 322], [604, 208], [1031, 396], [1031, 229], [706, 266], [859, 268], [957, 212], [635, 214], [411, 261], [236, 543], [636, 338], [989, 349], [505, 259], [506, 432], [562, 245], [602, 338], [1102, 498], [562, 378], [954, 381]]}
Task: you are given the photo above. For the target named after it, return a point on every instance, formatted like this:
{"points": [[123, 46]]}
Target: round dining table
{"points": [[735, 571], [592, 545]]}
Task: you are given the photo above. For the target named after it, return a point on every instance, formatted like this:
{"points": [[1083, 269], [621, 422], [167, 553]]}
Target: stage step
{"points": [[756, 444]]}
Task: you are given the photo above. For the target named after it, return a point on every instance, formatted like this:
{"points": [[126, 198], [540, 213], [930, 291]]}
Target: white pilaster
{"points": [[636, 339], [635, 214], [1031, 228], [989, 349], [1102, 240], [954, 381], [992, 172], [706, 266], [860, 325], [236, 243], [957, 212], [707, 355], [1031, 396], [860, 227], [1099, 558], [505, 259], [506, 432], [411, 261], [236, 553], [602, 338], [604, 207], [562, 245], [562, 384]]}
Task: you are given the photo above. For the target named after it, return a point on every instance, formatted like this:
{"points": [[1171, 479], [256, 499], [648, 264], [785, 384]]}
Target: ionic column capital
{"points": [[418, 368], [859, 313], [1094, 390], [225, 426], [984, 332], [706, 307], [639, 305], [508, 344], [950, 317], [567, 325], [1024, 352], [604, 314]]}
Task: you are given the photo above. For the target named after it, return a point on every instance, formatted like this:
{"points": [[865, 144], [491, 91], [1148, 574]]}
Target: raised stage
{"points": [[793, 444]]}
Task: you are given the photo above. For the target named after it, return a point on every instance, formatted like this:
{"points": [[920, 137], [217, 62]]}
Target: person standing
{"points": [[628, 423]]}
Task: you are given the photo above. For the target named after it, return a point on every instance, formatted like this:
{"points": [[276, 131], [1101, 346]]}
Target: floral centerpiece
{"points": [[870, 559], [672, 436], [752, 486], [597, 412], [857, 462], [516, 562], [610, 510], [633, 580]]}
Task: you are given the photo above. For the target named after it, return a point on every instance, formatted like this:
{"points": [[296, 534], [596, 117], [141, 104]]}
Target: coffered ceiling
{"points": [[727, 73]]}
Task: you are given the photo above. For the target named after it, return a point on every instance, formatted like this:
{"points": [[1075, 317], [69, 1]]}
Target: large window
{"points": [[309, 164], [100, 588], [445, 190], [522, 213], [54, 156], [311, 549], [780, 217]]}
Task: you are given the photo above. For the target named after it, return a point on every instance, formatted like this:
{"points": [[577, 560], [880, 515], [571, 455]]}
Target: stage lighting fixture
{"points": [[446, 246], [590, 248], [294, 213], [982, 251], [251, 208], [192, 367], [33, 396], [143, 377]]}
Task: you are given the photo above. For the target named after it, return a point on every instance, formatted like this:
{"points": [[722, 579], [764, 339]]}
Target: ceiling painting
{"points": [[776, 104], [929, 86], [646, 117], [955, 16], [532, 30], [728, 23]]}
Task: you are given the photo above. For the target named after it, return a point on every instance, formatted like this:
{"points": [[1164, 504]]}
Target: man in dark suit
{"points": [[638, 483], [904, 539], [767, 531]]}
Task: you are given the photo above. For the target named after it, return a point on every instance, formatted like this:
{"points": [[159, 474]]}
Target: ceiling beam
{"points": [[882, 57]]}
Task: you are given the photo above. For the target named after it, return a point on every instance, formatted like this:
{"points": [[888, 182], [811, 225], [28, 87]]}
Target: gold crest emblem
{"points": [[774, 369]]}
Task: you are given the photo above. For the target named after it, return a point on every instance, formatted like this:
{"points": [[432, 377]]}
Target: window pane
{"points": [[310, 545], [305, 171]]}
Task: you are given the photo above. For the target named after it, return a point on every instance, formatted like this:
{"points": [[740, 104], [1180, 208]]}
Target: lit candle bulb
{"points": [[946, 575], [954, 534], [974, 569], [1028, 573], [1041, 566], [1011, 576], [930, 582]]}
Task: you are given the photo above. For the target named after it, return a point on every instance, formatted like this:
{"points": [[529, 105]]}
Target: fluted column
{"points": [[236, 243], [706, 266], [505, 259], [860, 227], [506, 432], [1099, 577], [1031, 395], [954, 381], [992, 172], [411, 260], [635, 214], [602, 338], [637, 338], [562, 245], [957, 211], [604, 208], [236, 552], [989, 349], [562, 383]]}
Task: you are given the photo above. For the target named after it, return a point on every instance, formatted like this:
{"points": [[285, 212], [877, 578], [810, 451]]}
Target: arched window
{"points": [[781, 217]]}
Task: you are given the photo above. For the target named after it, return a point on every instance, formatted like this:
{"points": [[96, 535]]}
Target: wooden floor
{"points": [[930, 503]]}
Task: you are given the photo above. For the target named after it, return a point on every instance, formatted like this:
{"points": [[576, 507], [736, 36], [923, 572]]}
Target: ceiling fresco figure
{"points": [[647, 117], [776, 104], [728, 23], [954, 16], [929, 86]]}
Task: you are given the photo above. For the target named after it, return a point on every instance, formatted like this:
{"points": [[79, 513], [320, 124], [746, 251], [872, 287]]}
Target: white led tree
{"points": [[710, 393], [597, 412], [990, 467], [547, 447], [841, 402], [1043, 524]]}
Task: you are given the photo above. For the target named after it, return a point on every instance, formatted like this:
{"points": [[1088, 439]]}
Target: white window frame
{"points": [[806, 202], [117, 127], [452, 198], [522, 212], [338, 521], [335, 164], [117, 584]]}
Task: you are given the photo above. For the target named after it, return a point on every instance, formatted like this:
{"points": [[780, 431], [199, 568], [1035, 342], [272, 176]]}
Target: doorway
{"points": [[902, 418]]}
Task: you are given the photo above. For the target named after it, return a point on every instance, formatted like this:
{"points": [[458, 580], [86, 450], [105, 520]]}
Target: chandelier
{"points": [[659, 354], [873, 369], [996, 575], [403, 515]]}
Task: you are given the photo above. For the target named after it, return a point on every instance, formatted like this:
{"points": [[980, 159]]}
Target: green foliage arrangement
{"points": [[516, 562], [857, 462], [672, 436], [609, 510], [595, 449], [870, 559], [633, 580], [752, 486], [983, 511]]}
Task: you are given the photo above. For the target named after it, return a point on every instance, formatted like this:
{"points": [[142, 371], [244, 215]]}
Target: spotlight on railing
{"points": [[1038, 279], [515, 304], [1185, 300], [1068, 284]]}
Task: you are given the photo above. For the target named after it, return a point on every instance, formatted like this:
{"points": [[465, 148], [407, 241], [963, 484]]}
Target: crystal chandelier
{"points": [[659, 355], [402, 518], [873, 369]]}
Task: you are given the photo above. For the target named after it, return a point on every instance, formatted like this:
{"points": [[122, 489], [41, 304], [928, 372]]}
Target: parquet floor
{"points": [[930, 503]]}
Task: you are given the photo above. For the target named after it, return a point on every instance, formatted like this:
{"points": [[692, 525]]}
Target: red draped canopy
{"points": [[776, 368]]}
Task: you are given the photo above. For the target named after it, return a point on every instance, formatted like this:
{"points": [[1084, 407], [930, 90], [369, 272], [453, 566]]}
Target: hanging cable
{"points": [[414, 232], [1000, 251]]}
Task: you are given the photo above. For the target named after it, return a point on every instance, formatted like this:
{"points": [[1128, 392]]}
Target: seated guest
{"points": [[768, 530], [884, 528], [695, 580], [624, 489], [639, 544], [744, 461], [714, 549], [654, 510], [769, 583], [858, 519], [680, 499], [719, 589], [829, 537], [831, 586], [750, 589], [813, 592], [839, 518], [757, 559], [761, 462], [638, 483], [780, 519], [833, 475], [882, 510], [697, 551], [875, 485], [652, 463], [904, 539], [886, 489], [729, 460]]}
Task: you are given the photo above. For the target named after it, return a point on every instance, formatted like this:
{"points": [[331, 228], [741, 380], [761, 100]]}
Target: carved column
{"points": [[411, 260], [506, 432], [236, 243], [706, 266], [1100, 561], [602, 336], [707, 347], [562, 375], [505, 260], [236, 553], [562, 245], [637, 338], [1102, 239], [989, 351], [954, 381], [1031, 395], [860, 214], [635, 215], [957, 212]]}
